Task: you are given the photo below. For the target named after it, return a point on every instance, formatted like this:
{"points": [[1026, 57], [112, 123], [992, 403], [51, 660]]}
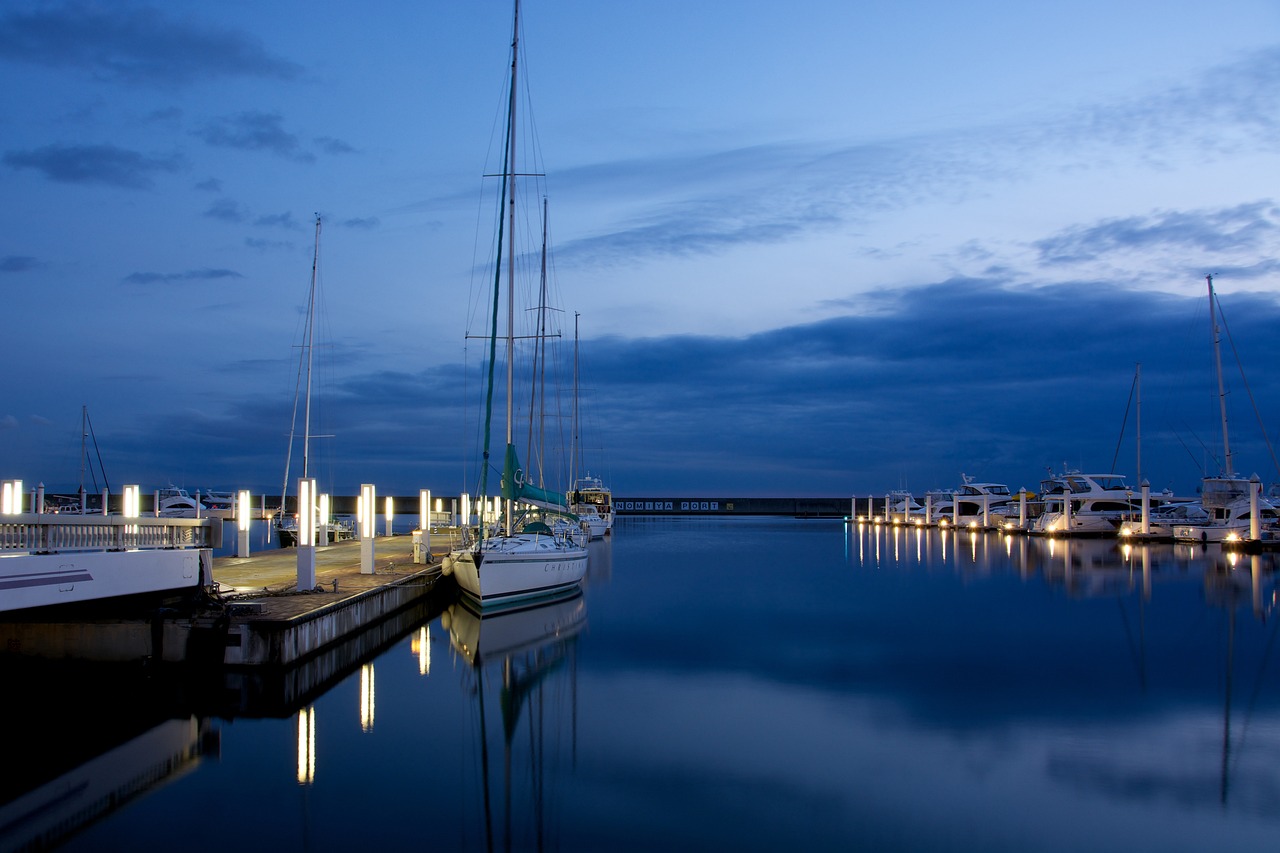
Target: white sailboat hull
{"points": [[44, 580], [507, 569]]}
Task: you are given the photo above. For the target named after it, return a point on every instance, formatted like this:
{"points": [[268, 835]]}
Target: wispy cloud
{"points": [[172, 277], [1246, 226], [135, 43], [329, 145], [255, 131], [18, 263], [689, 205], [93, 164]]}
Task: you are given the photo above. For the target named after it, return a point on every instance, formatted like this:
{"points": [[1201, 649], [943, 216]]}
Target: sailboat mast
{"points": [[1227, 469], [308, 338], [511, 236], [574, 448]]}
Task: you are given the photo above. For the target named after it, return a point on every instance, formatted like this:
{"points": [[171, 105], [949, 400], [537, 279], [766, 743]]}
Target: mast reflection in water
{"points": [[743, 683]]}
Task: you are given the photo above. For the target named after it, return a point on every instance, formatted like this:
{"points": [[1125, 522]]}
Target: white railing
{"points": [[51, 533]]}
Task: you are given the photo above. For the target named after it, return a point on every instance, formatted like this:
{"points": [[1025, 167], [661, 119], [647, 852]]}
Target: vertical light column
{"points": [[130, 507], [244, 514], [390, 512], [11, 498], [422, 536], [322, 523], [368, 523], [306, 533]]}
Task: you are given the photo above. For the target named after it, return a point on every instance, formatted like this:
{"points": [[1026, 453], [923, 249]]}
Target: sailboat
{"points": [[1228, 498], [524, 555], [590, 500], [285, 525]]}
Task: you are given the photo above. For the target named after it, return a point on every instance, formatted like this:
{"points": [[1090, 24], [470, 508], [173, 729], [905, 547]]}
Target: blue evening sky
{"points": [[816, 248]]}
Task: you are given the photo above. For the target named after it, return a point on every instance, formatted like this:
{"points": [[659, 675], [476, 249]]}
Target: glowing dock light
{"points": [[244, 514], [390, 512], [322, 523], [367, 520], [132, 502], [306, 533], [11, 498]]}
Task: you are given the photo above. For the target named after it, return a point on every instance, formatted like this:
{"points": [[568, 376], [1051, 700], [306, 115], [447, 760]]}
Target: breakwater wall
{"points": [[794, 507]]}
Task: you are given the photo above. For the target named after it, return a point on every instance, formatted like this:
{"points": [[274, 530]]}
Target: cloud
{"points": [[329, 145], [189, 275], [697, 204], [255, 131], [278, 220], [1246, 226], [93, 164], [18, 263], [367, 223], [226, 210], [8, 422], [135, 44], [212, 185]]}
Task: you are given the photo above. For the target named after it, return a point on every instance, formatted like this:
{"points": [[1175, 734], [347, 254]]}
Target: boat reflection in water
{"points": [[522, 675]]}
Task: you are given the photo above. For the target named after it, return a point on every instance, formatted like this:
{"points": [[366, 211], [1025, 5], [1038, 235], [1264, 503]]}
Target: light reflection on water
{"points": [[749, 684]]}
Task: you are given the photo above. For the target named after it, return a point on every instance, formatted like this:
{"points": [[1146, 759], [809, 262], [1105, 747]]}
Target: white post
{"points": [[322, 522], [38, 506], [1146, 508], [928, 508], [390, 513], [306, 534], [106, 493], [368, 521], [1022, 508], [1066, 509], [244, 513], [986, 511], [1255, 523], [155, 502]]}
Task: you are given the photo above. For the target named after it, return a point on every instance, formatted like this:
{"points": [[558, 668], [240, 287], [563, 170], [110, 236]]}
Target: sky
{"points": [[812, 249]]}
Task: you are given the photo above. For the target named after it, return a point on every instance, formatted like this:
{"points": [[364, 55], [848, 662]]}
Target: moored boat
{"points": [[521, 556]]}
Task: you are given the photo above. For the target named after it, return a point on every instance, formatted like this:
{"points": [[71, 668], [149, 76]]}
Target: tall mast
{"points": [[307, 340], [1228, 469], [511, 236], [574, 448]]}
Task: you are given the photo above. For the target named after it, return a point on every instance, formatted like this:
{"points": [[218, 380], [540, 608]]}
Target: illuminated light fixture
{"points": [[243, 510], [130, 508], [324, 509], [307, 745], [11, 501], [307, 512], [424, 509], [368, 511], [942, 522], [390, 512]]}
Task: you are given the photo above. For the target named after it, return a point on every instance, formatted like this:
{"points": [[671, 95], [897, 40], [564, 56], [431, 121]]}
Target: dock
{"points": [[253, 615]]}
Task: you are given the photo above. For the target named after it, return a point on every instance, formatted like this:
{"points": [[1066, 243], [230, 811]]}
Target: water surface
{"points": [[744, 683]]}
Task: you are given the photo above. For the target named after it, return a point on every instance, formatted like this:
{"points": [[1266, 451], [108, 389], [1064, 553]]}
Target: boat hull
{"points": [[507, 570], [45, 580]]}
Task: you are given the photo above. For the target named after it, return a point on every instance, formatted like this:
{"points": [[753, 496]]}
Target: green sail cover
{"points": [[514, 486]]}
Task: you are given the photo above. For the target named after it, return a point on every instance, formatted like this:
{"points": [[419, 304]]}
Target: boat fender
{"points": [[446, 566]]}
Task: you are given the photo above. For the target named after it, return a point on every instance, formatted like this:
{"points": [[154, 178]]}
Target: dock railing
{"points": [[53, 533]]}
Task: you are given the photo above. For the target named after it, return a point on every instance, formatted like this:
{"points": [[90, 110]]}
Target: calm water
{"points": [[749, 684]]}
